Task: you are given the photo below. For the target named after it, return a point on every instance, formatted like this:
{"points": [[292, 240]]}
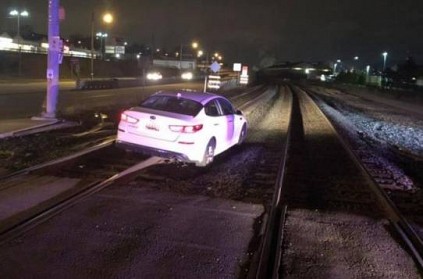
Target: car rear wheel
{"points": [[208, 154], [242, 134]]}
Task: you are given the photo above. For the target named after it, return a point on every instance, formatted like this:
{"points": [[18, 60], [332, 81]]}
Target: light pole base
{"points": [[45, 116]]}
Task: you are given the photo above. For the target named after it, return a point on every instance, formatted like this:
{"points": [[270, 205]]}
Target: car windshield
{"points": [[172, 104]]}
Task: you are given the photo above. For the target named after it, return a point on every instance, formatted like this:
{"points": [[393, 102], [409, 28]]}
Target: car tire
{"points": [[208, 154], [242, 134]]}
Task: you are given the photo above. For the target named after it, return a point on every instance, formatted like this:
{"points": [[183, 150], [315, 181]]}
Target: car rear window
{"points": [[172, 104]]}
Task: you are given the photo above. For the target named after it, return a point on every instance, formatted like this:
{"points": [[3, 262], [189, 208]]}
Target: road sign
{"points": [[215, 67], [213, 82], [56, 44], [244, 71], [243, 79], [237, 67]]}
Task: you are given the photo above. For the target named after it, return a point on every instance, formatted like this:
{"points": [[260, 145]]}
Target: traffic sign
{"points": [[237, 67], [215, 67]]}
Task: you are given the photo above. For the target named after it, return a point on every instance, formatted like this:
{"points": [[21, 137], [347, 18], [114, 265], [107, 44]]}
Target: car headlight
{"points": [[187, 75], [154, 76]]}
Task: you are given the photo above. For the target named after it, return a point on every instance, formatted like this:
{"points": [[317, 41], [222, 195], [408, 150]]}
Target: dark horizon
{"points": [[250, 32]]}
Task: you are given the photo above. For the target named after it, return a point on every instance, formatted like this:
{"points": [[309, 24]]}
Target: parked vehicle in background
{"points": [[187, 75], [154, 76], [185, 125]]}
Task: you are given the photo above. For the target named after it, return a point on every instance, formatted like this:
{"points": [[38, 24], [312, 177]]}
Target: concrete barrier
{"points": [[107, 83]]}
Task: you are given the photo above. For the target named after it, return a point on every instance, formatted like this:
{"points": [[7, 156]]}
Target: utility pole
{"points": [[180, 58], [54, 51], [92, 46]]}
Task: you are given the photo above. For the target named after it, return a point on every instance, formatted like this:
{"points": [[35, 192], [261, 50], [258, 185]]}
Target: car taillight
{"points": [[128, 118], [186, 128]]}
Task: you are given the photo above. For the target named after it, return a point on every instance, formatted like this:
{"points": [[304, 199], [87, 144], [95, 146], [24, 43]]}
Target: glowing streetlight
{"points": [[355, 63], [107, 18], [101, 36], [385, 54], [18, 14], [194, 45], [367, 73]]}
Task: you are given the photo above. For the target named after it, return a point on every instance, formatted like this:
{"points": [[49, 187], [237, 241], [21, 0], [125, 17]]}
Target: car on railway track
{"points": [[187, 126]]}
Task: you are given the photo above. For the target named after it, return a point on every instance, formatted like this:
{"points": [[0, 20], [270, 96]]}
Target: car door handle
{"points": [[216, 124]]}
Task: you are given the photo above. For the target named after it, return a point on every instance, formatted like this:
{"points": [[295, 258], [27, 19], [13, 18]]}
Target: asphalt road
{"points": [[22, 100]]}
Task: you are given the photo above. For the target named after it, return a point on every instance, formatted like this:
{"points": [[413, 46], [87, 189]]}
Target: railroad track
{"points": [[379, 179], [347, 186], [52, 187], [283, 175], [65, 181]]}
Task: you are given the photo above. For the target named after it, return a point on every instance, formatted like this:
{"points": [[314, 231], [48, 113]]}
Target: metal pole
{"points": [[53, 58], [92, 45], [384, 62], [19, 44], [180, 59], [205, 83]]}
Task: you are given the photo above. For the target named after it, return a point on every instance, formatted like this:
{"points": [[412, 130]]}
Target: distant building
{"points": [[174, 63]]}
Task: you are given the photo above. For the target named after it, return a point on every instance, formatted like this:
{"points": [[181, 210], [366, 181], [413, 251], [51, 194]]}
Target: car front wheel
{"points": [[208, 154]]}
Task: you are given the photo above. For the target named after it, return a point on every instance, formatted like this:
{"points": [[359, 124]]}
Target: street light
{"points": [[194, 45], [101, 36], [107, 18], [367, 73], [385, 54], [18, 14], [355, 64]]}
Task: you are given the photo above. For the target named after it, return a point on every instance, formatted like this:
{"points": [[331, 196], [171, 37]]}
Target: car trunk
{"points": [[155, 124]]}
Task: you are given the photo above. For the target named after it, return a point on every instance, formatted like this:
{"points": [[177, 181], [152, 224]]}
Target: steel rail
{"points": [[270, 251], [101, 145], [399, 223], [48, 213]]}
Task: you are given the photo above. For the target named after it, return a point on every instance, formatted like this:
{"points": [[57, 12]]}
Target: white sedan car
{"points": [[187, 126]]}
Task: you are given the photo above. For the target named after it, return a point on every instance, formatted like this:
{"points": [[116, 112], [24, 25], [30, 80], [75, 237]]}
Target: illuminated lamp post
{"points": [[367, 73], [107, 18], [194, 45], [101, 36], [356, 62], [334, 68], [18, 14], [385, 54]]}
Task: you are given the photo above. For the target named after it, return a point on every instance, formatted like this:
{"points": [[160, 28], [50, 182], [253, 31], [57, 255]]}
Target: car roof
{"points": [[200, 97]]}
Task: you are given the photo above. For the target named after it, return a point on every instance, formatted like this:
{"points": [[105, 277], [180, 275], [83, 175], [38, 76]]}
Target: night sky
{"points": [[251, 31]]}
